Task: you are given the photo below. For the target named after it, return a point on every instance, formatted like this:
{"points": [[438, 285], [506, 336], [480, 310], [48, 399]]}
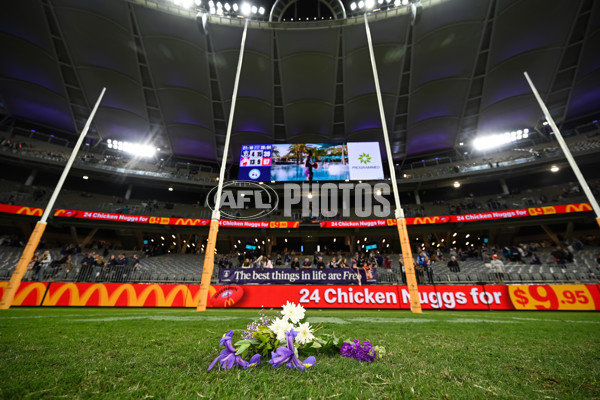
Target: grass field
{"points": [[164, 353]]}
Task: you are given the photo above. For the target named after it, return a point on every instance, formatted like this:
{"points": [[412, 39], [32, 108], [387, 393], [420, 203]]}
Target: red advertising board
{"points": [[373, 223], [442, 297], [471, 297]]}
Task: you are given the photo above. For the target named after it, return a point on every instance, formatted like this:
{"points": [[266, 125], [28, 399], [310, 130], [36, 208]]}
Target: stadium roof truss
{"points": [[453, 72]]}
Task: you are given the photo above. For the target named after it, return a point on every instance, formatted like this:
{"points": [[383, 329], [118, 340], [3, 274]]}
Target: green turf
{"points": [[164, 353]]}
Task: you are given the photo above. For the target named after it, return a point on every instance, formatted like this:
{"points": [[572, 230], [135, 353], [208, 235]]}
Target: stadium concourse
{"points": [[478, 168]]}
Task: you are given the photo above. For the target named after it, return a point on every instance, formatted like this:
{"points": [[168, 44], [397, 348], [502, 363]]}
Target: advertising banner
{"points": [[307, 276], [440, 297], [555, 297], [372, 223], [364, 159], [28, 294]]}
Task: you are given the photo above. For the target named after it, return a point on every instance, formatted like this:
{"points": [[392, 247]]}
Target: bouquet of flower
{"points": [[286, 338]]}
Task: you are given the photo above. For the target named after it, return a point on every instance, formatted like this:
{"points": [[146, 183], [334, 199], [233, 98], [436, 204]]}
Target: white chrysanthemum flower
{"points": [[294, 312], [287, 310], [305, 333], [279, 327]]}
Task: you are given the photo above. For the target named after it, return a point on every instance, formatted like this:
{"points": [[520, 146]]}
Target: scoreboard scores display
{"points": [[255, 162], [330, 162]]}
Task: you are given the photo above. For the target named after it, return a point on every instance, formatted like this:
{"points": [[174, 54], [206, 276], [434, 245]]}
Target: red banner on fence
{"points": [[442, 297], [28, 294], [373, 223]]}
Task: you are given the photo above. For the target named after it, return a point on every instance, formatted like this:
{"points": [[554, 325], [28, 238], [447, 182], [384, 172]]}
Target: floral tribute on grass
{"points": [[286, 339]]}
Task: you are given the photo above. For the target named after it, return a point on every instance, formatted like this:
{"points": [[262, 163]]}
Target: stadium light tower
{"points": [[209, 259], [40, 226], [411, 280], [565, 149]]}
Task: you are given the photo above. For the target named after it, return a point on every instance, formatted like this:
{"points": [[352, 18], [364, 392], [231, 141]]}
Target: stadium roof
{"points": [[449, 72]]}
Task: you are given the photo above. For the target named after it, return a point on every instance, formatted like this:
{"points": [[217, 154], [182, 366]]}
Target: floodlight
{"points": [[211, 4], [404, 2], [380, 1], [108, 141], [554, 168], [353, 6], [309, 195], [198, 2], [246, 8], [187, 3], [110, 145], [254, 9], [457, 184], [85, 177], [361, 4], [219, 11], [235, 7], [397, 3], [170, 190], [212, 10], [227, 6], [261, 11], [219, 5], [369, 4]]}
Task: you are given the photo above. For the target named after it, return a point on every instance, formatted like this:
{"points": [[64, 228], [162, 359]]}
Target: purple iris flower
{"points": [[229, 359], [287, 355]]}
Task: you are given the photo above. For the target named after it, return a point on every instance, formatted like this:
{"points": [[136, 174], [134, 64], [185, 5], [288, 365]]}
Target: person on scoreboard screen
{"points": [[309, 165]]}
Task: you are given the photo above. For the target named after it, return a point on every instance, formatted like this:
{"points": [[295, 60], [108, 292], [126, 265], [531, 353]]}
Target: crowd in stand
{"points": [[101, 265]]}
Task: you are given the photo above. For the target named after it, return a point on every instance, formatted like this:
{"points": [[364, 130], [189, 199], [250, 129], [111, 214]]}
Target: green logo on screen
{"points": [[364, 158]]}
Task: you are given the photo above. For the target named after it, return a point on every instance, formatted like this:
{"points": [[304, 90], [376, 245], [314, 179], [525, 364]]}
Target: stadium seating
{"points": [[187, 268]]}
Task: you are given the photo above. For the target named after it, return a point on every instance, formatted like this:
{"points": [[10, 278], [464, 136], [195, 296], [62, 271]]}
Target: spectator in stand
{"points": [[43, 263], [343, 263], [279, 260], [295, 264], [135, 263], [306, 264], [497, 268], [268, 263], [387, 264], [320, 264], [97, 268], [402, 268], [535, 260], [559, 256], [453, 265], [247, 264], [110, 267], [568, 256], [86, 267], [31, 266], [422, 263], [333, 263]]}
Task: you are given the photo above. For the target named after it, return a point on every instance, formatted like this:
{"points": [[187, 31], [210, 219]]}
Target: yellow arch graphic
{"points": [[30, 211], [108, 300], [40, 288], [578, 207], [426, 220], [188, 221]]}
